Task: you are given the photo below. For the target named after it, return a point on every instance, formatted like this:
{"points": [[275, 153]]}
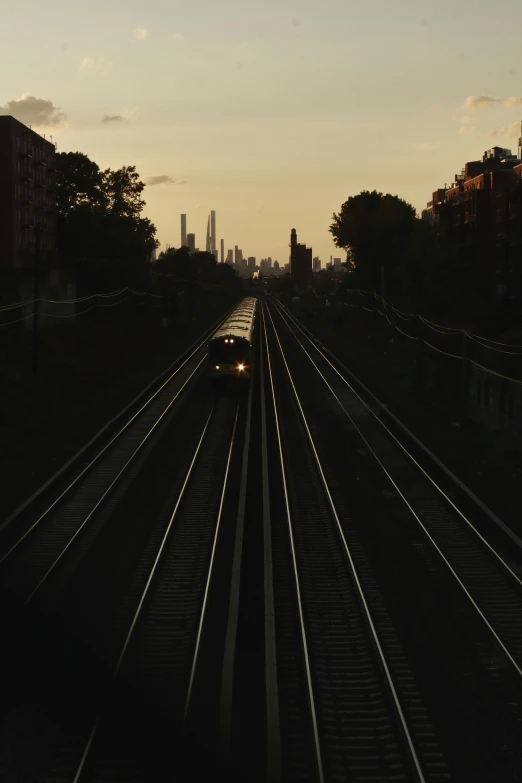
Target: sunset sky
{"points": [[272, 113]]}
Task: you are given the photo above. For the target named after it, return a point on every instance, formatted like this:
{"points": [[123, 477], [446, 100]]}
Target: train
{"points": [[230, 351]]}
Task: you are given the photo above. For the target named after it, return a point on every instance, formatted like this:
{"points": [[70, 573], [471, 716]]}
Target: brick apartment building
{"points": [[28, 201], [481, 211]]}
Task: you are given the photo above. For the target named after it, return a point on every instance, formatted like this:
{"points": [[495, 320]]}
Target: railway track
{"points": [[72, 578], [273, 583], [349, 706], [443, 583], [130, 691]]}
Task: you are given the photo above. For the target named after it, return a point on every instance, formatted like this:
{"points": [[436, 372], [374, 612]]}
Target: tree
{"points": [[122, 190], [372, 228], [79, 182], [100, 228]]}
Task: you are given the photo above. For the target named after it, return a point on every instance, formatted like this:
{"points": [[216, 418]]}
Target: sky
{"points": [[271, 112]]}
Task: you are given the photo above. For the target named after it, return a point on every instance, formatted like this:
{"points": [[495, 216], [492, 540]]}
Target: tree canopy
{"points": [[99, 218], [200, 268], [371, 228]]}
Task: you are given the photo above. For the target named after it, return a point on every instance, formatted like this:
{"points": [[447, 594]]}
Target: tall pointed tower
{"points": [[208, 248], [213, 231]]}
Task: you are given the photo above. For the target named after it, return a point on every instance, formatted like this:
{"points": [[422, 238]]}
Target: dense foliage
{"points": [[391, 251], [100, 228]]}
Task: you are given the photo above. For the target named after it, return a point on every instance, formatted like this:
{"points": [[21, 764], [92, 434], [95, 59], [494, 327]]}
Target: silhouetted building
{"points": [[317, 264], [238, 257], [479, 215], [230, 259], [300, 262], [191, 242], [222, 251], [208, 246], [251, 265], [28, 206], [213, 232], [27, 196], [183, 231]]}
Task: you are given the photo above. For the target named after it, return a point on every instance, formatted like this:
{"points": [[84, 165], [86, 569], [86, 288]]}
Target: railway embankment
{"points": [[426, 395], [88, 370]]}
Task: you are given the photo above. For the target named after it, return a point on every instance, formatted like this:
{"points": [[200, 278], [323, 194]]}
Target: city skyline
{"points": [[274, 115]]}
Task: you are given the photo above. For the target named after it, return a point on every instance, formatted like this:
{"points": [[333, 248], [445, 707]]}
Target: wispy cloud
{"points": [[34, 111], [162, 179], [176, 36], [112, 118], [506, 131], [478, 101], [129, 112], [140, 33], [465, 129], [93, 63]]}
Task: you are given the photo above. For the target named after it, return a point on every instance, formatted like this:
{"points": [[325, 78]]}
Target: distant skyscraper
{"points": [[191, 242], [213, 231], [209, 246], [236, 257], [230, 259], [222, 251], [300, 261], [183, 231], [251, 265]]}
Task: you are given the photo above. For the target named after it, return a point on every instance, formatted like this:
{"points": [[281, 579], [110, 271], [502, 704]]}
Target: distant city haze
{"points": [[271, 113]]}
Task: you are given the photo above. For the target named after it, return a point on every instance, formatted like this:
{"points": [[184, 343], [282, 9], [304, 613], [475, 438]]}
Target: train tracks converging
{"points": [[455, 601], [270, 581]]}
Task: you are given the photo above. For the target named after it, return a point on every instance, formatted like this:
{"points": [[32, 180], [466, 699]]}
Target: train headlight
{"points": [[231, 341], [241, 367], [217, 366]]}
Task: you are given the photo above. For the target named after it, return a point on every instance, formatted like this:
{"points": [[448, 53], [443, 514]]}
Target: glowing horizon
{"points": [[272, 115]]}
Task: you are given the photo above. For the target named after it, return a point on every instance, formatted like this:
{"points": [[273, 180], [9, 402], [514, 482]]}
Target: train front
{"points": [[229, 357]]}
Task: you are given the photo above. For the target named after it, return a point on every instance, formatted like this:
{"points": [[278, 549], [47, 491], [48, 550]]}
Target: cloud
{"points": [[506, 131], [477, 101], [140, 33], [129, 112], [94, 63], [163, 179], [465, 120], [34, 111], [514, 100], [464, 129], [112, 118], [177, 36]]}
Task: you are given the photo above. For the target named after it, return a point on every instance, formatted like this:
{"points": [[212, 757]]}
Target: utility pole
{"points": [[36, 289]]}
